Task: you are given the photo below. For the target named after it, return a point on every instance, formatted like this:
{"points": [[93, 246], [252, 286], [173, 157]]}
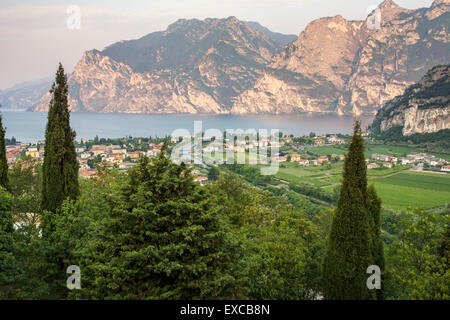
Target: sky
{"points": [[36, 35]]}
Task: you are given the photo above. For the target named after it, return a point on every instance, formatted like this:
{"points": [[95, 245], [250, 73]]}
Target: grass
{"points": [[397, 187], [427, 190]]}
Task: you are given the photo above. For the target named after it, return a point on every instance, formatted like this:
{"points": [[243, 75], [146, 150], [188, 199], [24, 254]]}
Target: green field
{"points": [[427, 190], [397, 187]]}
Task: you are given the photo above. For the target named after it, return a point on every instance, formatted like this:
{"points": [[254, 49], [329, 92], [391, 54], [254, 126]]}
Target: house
{"points": [[319, 142], [303, 162], [33, 154], [341, 157], [201, 180], [280, 158], [117, 157], [405, 161], [445, 168], [373, 165], [88, 173], [98, 147], [295, 157], [388, 165], [126, 165], [153, 152], [322, 159], [135, 154], [85, 155]]}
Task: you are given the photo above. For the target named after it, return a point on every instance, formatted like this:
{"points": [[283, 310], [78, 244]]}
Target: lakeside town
{"points": [[298, 151]]}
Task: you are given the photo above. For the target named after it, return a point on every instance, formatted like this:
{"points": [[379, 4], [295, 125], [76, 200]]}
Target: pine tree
{"points": [[162, 239], [374, 210], [349, 245], [4, 181], [60, 168], [7, 261]]}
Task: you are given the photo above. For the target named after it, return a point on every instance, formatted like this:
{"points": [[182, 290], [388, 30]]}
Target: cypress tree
{"points": [[4, 182], [7, 261], [349, 245], [374, 210], [60, 168]]}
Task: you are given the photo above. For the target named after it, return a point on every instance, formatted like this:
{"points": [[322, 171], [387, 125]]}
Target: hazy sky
{"points": [[34, 35]]}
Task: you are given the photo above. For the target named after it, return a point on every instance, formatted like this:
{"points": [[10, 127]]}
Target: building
{"points": [[319, 142], [322, 159], [201, 180], [405, 161], [88, 173], [388, 165], [135, 154], [445, 168], [373, 165], [280, 158], [295, 157], [303, 162]]}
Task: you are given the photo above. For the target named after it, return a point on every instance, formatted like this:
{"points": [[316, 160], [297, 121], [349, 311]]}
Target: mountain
{"points": [[230, 66], [192, 67], [424, 107], [348, 67], [23, 95], [281, 39]]}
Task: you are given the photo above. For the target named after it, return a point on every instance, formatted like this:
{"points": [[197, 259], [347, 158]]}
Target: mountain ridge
{"points": [[226, 66]]}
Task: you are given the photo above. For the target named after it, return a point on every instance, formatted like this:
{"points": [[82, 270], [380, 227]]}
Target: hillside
{"points": [[422, 113]]}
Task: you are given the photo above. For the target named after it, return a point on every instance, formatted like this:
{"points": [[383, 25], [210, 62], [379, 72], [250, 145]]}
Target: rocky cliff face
{"points": [[423, 108], [352, 66], [228, 66], [192, 67]]}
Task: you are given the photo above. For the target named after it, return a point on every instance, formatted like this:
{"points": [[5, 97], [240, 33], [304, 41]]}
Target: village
{"points": [[286, 150]]}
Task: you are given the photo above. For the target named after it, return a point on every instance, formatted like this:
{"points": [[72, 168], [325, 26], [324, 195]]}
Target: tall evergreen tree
{"points": [[349, 245], [4, 182], [374, 210], [60, 168], [7, 261], [163, 238]]}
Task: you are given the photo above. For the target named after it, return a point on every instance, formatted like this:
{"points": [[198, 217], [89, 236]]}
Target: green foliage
{"points": [[162, 237], [418, 270], [213, 174], [281, 256], [374, 210], [60, 169], [7, 261], [4, 181], [349, 248]]}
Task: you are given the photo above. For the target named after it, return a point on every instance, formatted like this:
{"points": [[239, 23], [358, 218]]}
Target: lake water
{"points": [[30, 126]]}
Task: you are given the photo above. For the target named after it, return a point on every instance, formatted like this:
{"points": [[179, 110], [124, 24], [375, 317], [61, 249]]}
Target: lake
{"points": [[30, 126]]}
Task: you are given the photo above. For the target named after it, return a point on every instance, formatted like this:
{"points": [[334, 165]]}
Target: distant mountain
{"points": [[281, 39], [229, 66], [192, 67], [346, 67], [423, 108], [24, 95]]}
